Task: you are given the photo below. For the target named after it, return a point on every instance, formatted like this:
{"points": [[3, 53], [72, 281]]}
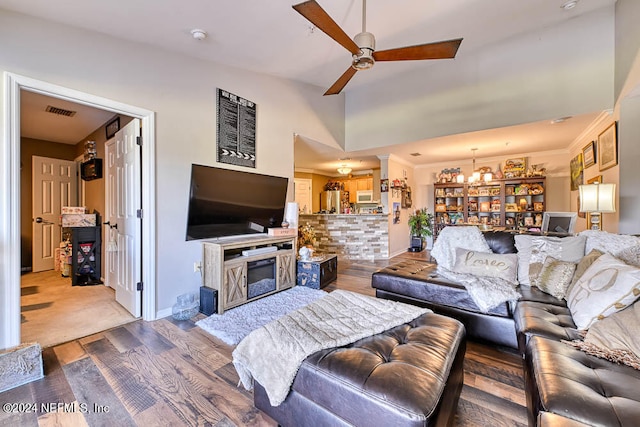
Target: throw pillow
{"points": [[533, 250], [523, 245], [582, 266], [555, 277], [504, 266], [609, 285], [616, 338], [609, 243], [630, 255]]}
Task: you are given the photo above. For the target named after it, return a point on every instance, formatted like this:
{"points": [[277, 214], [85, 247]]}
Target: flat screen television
{"points": [[225, 202]]}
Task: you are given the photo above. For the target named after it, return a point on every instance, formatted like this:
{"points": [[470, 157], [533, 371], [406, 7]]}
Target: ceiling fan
{"points": [[363, 45]]}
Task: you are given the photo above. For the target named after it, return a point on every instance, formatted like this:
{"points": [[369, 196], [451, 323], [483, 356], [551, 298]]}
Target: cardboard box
{"points": [[280, 232], [73, 210], [79, 220]]}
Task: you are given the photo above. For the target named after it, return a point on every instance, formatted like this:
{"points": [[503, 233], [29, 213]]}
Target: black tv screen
{"points": [[225, 202]]}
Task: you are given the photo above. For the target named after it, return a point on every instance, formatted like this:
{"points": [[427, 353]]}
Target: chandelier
{"points": [[344, 170], [476, 177]]}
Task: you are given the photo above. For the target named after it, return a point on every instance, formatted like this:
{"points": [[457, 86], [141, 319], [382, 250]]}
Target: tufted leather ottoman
{"points": [[565, 381], [410, 375]]}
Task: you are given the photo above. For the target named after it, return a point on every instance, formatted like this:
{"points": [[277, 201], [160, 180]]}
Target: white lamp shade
{"points": [[598, 198]]}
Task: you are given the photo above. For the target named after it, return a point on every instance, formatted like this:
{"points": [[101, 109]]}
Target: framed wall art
{"points": [[608, 147], [576, 169], [589, 154], [236, 130], [514, 168], [112, 127]]}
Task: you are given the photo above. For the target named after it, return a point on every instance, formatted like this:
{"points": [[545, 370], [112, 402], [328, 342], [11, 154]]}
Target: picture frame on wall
{"points": [[608, 147], [576, 170], [112, 127], [589, 154], [515, 167]]}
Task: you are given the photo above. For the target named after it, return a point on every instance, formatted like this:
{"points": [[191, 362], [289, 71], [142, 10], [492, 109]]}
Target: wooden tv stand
{"points": [[225, 269]]}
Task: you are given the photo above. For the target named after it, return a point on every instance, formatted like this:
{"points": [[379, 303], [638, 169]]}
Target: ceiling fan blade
{"points": [[318, 17], [341, 82], [437, 50]]}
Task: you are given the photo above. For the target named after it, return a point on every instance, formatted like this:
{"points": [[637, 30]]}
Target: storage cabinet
{"points": [[319, 273], [86, 255], [352, 185], [511, 203], [242, 278]]}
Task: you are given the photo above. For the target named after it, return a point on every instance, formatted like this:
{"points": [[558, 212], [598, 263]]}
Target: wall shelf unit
{"points": [[512, 203]]}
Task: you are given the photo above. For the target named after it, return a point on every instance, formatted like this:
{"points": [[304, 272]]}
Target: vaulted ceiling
{"points": [[271, 37]]}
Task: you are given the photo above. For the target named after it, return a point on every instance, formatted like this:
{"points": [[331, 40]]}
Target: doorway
{"points": [[10, 203], [303, 193]]}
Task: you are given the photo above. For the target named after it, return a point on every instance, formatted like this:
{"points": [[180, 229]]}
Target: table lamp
{"points": [[597, 199]]}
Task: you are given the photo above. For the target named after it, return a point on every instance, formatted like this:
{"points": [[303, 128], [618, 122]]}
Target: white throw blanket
{"points": [[486, 292], [273, 353], [466, 237]]}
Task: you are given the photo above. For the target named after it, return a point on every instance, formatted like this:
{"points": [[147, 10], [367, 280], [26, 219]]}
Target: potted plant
{"points": [[420, 226]]}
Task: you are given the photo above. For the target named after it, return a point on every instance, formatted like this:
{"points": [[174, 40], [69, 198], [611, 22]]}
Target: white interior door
{"points": [[302, 189], [53, 186], [123, 200]]}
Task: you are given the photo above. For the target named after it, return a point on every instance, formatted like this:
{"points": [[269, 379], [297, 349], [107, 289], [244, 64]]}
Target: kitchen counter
{"points": [[353, 236]]}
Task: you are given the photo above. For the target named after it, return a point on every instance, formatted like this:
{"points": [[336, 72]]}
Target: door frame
{"points": [[10, 204]]}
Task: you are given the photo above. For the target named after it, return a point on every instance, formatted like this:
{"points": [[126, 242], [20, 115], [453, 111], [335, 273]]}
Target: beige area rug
{"points": [[54, 312]]}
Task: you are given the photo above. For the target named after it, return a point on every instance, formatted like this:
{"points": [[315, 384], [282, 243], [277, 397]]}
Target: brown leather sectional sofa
{"points": [[564, 386]]}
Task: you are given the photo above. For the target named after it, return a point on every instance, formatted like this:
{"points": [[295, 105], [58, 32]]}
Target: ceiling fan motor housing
{"points": [[367, 44]]}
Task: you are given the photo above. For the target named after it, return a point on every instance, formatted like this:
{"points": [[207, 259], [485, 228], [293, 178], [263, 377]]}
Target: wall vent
{"points": [[60, 111]]}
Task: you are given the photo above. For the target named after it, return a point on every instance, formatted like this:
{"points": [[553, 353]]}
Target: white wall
{"points": [[565, 70], [399, 235], [629, 153], [181, 90]]}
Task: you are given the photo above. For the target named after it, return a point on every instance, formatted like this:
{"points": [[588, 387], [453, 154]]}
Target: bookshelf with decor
{"points": [[510, 203]]}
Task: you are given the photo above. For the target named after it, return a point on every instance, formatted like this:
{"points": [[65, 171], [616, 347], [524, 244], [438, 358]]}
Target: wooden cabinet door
{"points": [[364, 184], [234, 286], [286, 270], [352, 188]]}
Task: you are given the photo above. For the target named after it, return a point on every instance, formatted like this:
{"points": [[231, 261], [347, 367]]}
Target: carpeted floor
{"points": [[54, 312], [235, 324]]}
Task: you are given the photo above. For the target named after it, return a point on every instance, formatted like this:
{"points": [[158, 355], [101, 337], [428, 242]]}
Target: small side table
{"points": [[317, 272]]}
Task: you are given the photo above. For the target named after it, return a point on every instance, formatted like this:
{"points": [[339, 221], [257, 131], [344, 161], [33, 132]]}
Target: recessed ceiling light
{"points": [[560, 120], [415, 154], [569, 4]]}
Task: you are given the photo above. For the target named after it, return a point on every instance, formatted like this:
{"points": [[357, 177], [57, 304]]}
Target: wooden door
{"points": [[54, 185], [303, 192], [123, 205]]}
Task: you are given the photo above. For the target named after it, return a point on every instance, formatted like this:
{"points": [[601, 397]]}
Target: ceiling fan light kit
{"points": [[363, 45], [367, 44]]}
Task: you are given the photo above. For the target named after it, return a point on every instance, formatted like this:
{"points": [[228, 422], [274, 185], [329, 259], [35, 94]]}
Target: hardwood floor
{"points": [[173, 373]]}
